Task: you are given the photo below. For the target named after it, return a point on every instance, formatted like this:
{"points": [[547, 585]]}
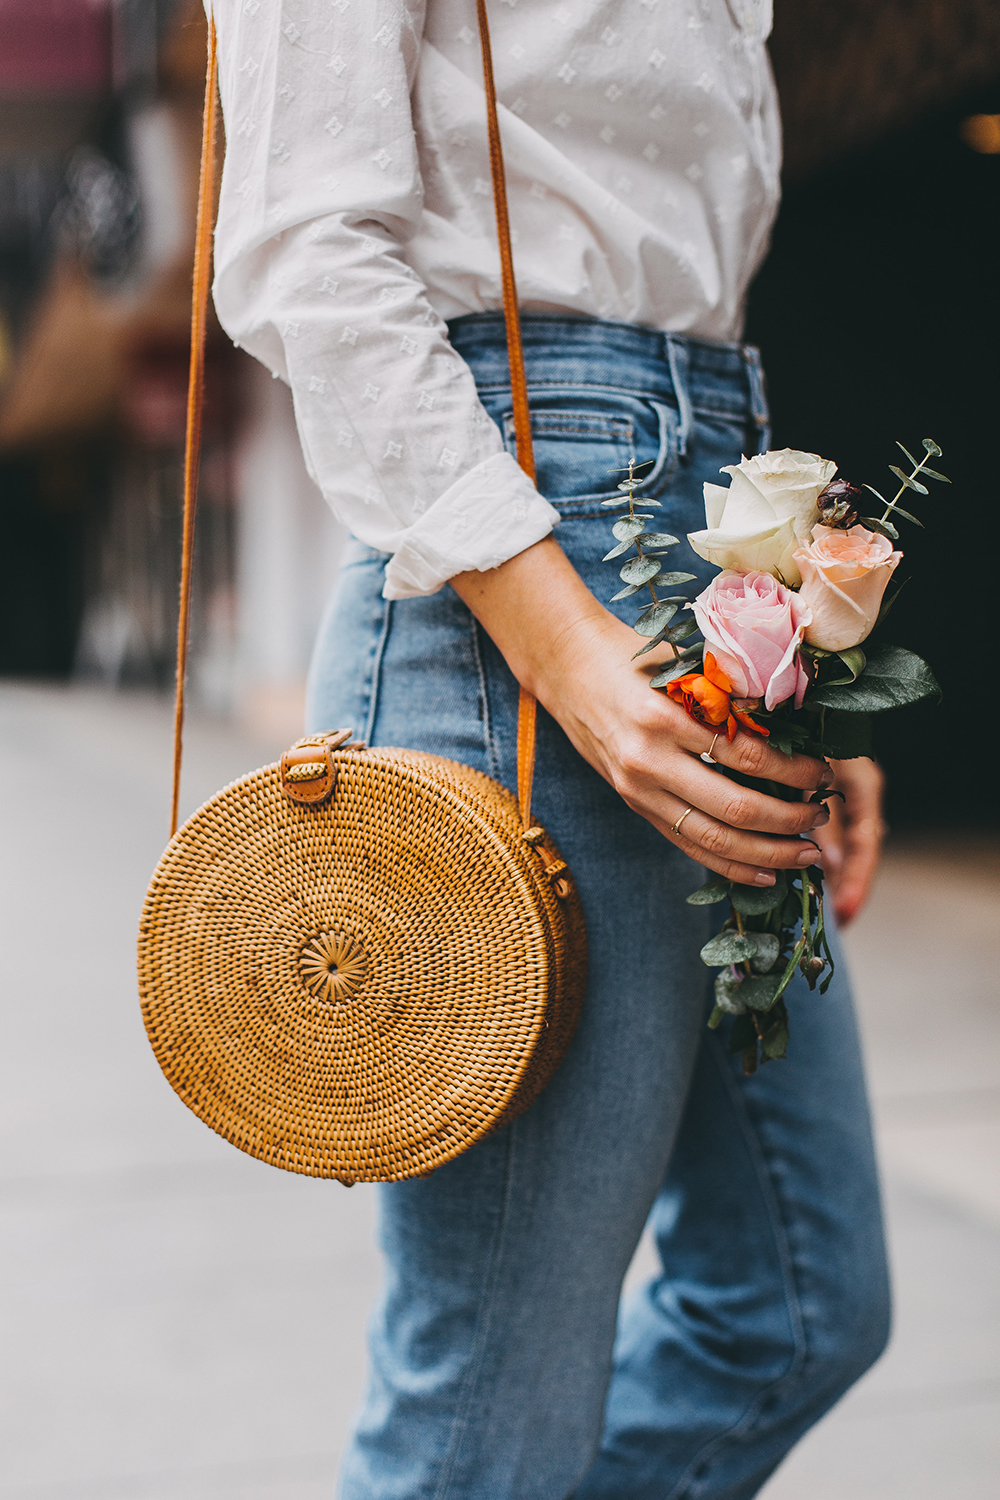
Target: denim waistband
{"points": [[559, 351]]}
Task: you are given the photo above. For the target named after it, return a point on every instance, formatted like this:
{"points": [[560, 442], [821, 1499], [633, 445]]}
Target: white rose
{"points": [[756, 525]]}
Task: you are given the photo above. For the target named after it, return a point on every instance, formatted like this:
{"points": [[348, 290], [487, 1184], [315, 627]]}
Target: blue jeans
{"points": [[501, 1365]]}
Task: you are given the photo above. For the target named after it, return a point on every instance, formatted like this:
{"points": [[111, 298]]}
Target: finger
{"points": [[863, 847], [710, 837], [741, 806], [730, 869], [751, 754]]}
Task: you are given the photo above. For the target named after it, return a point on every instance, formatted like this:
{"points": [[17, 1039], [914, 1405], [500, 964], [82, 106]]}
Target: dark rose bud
{"points": [[838, 504]]}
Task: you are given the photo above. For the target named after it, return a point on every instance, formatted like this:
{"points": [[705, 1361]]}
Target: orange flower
{"points": [[706, 697]]}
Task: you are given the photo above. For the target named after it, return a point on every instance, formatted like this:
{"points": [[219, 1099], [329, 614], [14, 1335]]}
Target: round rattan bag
{"points": [[357, 963]]}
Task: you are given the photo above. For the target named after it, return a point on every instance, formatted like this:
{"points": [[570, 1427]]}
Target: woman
{"points": [[356, 256]]}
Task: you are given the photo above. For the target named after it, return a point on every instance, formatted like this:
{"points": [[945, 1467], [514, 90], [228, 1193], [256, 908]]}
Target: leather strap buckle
{"points": [[308, 773]]}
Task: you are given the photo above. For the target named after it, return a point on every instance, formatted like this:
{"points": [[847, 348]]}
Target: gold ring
{"points": [[706, 755], [677, 826]]}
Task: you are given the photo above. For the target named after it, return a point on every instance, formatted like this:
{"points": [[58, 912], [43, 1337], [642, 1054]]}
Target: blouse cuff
{"points": [[490, 514]]}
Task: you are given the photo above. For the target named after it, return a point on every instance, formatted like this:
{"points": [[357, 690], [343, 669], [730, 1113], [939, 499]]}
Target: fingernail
{"points": [[826, 779], [764, 877], [808, 856], [822, 816]]}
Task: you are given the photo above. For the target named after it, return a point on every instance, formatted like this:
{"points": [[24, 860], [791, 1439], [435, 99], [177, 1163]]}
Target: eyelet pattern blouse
{"points": [[642, 151]]}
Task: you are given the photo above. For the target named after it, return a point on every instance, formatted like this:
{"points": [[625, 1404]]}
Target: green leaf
{"points": [[682, 631], [640, 570], [667, 599], [759, 991], [669, 580], [768, 948], [633, 588], [617, 551], [727, 994], [660, 539], [785, 734], [884, 528], [854, 660], [888, 600], [846, 736], [728, 948], [628, 527], [675, 669], [653, 620], [714, 890], [613, 502], [650, 645], [754, 900], [932, 447], [911, 484], [877, 493], [933, 474], [892, 678], [774, 1042]]}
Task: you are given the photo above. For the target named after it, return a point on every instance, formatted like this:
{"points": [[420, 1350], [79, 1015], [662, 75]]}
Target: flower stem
{"points": [[904, 487]]}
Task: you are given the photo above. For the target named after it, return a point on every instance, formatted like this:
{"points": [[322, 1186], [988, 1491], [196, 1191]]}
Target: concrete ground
{"points": [[179, 1322]]}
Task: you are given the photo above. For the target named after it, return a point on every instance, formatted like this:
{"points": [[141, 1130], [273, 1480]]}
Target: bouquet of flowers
{"points": [[785, 654]]}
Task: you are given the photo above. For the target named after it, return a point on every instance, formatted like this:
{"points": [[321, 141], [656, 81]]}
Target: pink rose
{"points": [[753, 626], [844, 575]]}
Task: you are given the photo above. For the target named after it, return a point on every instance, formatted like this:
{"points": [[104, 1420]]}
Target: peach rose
{"points": [[844, 575]]}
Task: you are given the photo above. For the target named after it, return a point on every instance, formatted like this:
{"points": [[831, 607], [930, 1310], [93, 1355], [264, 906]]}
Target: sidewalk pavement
{"points": [[179, 1322]]}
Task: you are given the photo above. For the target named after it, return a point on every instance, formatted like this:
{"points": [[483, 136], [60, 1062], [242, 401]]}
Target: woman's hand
{"points": [[852, 841], [564, 647]]}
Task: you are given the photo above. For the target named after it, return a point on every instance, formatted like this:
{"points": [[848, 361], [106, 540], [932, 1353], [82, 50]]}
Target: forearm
{"points": [[538, 611]]}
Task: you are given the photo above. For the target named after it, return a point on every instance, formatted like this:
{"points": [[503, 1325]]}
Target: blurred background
{"points": [[179, 1321]]}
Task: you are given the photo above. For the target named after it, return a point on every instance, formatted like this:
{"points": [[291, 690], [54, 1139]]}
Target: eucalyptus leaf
{"points": [[877, 493], [625, 546], [909, 455], [640, 570], [768, 948], [727, 994], [656, 619], [633, 588], [682, 631], [911, 484], [892, 678], [933, 474], [675, 669], [759, 991], [728, 948], [888, 600], [932, 447], [755, 900], [884, 528], [628, 527], [714, 890], [660, 539], [670, 580], [615, 501], [650, 645]]}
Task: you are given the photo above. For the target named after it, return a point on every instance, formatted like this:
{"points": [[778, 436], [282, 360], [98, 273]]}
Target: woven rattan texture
{"points": [[365, 989]]}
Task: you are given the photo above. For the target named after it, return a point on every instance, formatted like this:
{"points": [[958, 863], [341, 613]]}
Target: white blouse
{"points": [[642, 151]]}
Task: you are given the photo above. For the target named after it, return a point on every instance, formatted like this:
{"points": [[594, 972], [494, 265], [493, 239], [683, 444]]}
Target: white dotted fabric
{"points": [[642, 150]]}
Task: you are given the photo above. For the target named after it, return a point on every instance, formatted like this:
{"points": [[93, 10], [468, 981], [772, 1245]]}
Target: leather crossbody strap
{"points": [[527, 706]]}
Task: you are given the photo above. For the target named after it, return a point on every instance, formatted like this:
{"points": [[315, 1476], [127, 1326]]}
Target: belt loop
{"points": [[758, 396], [677, 359]]}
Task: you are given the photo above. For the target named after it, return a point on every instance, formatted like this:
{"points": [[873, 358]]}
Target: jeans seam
{"points": [[484, 1320], [375, 679], [786, 1261]]}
